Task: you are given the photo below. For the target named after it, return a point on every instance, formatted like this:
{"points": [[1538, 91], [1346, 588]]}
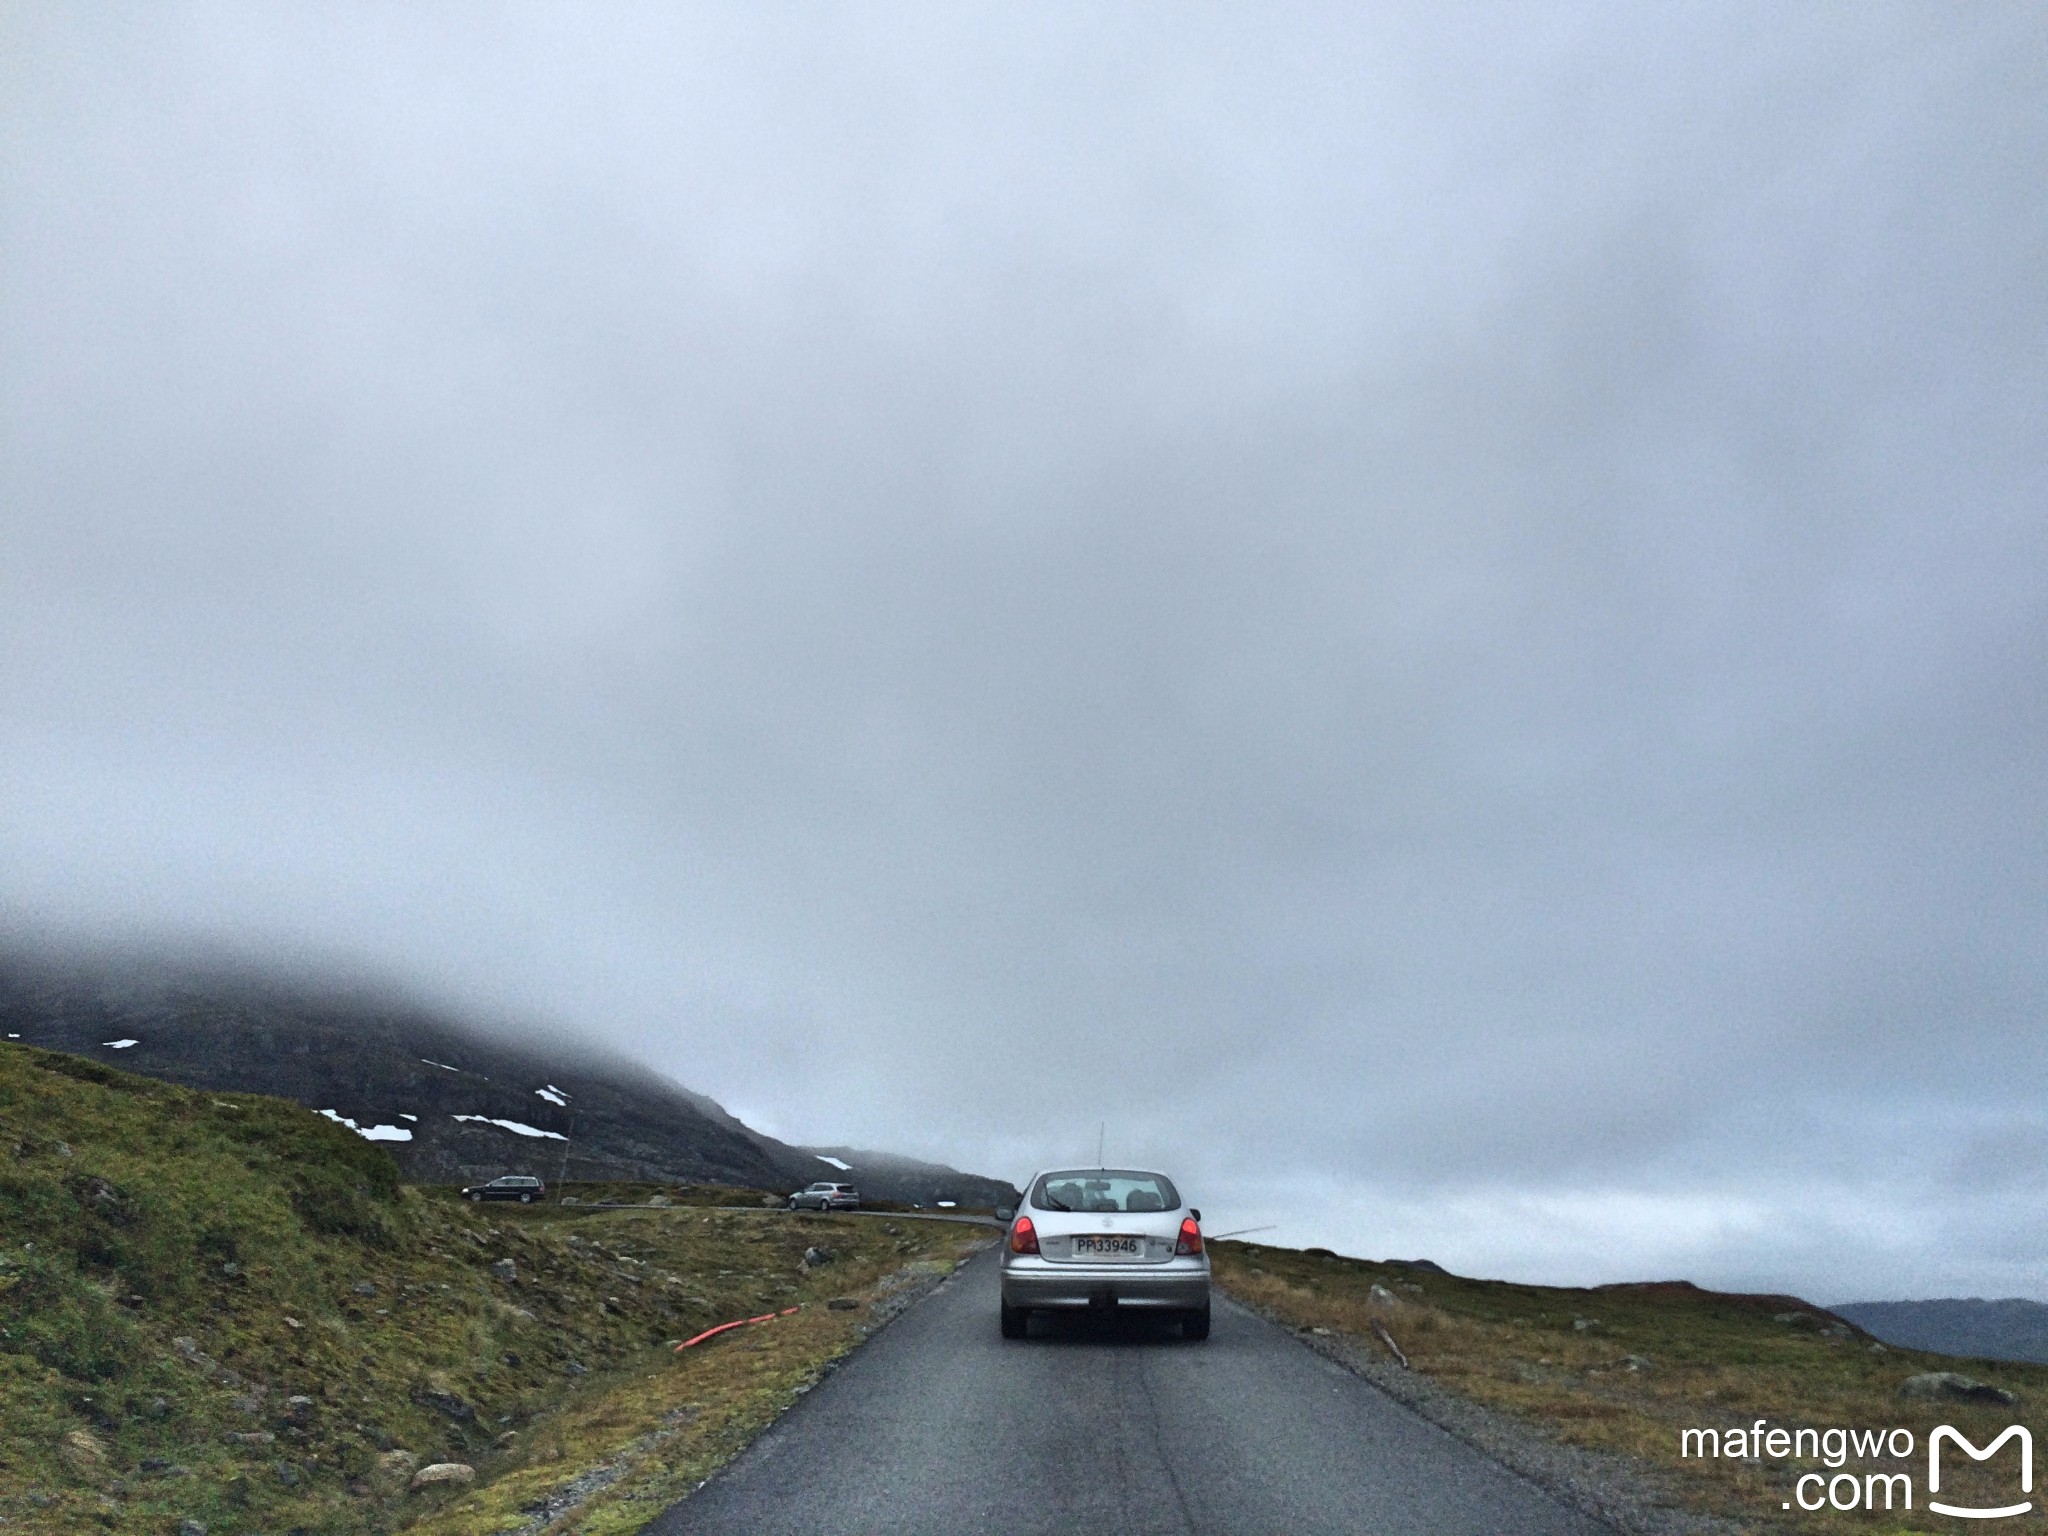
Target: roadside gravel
{"points": [[1615, 1490]]}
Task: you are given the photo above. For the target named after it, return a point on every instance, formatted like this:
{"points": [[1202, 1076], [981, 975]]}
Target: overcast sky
{"points": [[1439, 614]]}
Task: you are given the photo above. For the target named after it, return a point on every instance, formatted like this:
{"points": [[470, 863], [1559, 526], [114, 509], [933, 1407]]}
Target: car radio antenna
{"points": [[1101, 1127]]}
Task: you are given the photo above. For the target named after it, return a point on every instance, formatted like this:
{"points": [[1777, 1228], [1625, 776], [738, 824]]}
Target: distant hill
{"points": [[885, 1176], [2012, 1329], [449, 1103]]}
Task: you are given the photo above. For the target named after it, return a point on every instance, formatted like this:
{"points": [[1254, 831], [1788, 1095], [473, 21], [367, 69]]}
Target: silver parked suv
{"points": [[826, 1197], [1105, 1238]]}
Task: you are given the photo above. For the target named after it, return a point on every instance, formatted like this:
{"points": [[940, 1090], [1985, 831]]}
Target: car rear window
{"points": [[1104, 1189]]}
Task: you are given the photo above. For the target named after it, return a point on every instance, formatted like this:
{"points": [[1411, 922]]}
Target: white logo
{"points": [[1946, 1432]]}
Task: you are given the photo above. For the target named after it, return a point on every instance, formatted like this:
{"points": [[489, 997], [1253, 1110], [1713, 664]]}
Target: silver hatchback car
{"points": [[1107, 1239]]}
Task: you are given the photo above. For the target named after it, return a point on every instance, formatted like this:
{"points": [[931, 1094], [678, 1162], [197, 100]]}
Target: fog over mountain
{"points": [[1437, 618]]}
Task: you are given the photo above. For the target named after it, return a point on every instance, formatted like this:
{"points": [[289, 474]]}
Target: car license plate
{"points": [[1108, 1246]]}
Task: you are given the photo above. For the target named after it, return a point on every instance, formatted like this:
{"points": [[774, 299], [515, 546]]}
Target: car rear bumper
{"points": [[1034, 1284]]}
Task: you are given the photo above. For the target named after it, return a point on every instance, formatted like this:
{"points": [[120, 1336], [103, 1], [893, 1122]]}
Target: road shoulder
{"points": [[619, 1457], [1614, 1490]]}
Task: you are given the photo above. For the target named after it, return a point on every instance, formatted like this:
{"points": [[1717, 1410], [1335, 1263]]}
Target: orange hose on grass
{"points": [[741, 1322]]}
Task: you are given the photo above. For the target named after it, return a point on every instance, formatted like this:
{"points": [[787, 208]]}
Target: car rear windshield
{"points": [[1104, 1189]]}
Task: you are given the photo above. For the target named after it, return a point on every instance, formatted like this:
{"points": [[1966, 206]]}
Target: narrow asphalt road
{"points": [[940, 1426]]}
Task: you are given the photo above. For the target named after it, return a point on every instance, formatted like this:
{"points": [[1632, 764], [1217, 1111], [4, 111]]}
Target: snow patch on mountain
{"points": [[517, 1128], [371, 1132]]}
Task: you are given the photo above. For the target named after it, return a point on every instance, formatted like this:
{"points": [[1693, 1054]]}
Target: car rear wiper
{"points": [[1054, 1205]]}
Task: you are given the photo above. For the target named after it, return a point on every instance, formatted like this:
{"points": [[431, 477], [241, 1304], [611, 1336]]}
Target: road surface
{"points": [[940, 1426]]}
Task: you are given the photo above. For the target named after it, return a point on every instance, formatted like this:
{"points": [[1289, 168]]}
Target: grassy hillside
{"points": [[1628, 1368], [224, 1309]]}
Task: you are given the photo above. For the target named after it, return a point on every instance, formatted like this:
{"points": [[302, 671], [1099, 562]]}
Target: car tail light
{"points": [[1023, 1236], [1190, 1238]]}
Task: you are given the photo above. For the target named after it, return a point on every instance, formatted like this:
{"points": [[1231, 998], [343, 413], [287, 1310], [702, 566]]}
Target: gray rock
{"points": [[364, 1288], [191, 1528], [843, 1304], [444, 1474], [1952, 1384], [1381, 1294], [816, 1258], [1584, 1324], [505, 1269]]}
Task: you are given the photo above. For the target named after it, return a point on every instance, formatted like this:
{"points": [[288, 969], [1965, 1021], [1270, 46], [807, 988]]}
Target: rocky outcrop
{"points": [[1953, 1385]]}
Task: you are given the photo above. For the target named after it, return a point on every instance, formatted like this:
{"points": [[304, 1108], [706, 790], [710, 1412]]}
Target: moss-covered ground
{"points": [[1627, 1368], [225, 1310]]}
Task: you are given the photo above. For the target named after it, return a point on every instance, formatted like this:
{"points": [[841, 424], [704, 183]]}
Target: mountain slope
{"points": [[449, 1104], [2012, 1329], [221, 1311]]}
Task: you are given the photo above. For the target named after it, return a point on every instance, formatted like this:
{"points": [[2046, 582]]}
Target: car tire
{"points": [[1194, 1326], [472, 1197], [1014, 1321], [526, 1199]]}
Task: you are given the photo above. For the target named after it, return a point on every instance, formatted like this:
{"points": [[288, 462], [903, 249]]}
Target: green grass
{"points": [[177, 1267], [1651, 1361]]}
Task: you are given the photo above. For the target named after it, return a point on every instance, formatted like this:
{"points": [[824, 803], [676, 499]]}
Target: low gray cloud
{"points": [[1437, 617]]}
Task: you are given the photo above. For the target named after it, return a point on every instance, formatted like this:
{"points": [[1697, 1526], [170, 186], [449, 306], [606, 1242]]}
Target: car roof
{"points": [[1068, 1168]]}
